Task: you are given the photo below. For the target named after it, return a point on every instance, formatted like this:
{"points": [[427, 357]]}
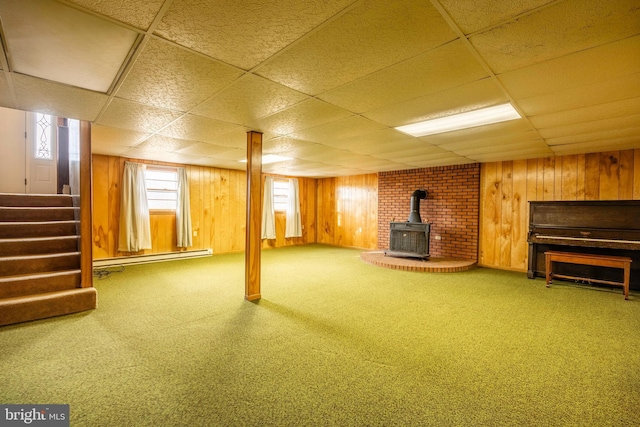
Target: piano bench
{"points": [[589, 259]]}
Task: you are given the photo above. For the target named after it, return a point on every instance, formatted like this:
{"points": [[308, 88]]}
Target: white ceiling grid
{"points": [[326, 81]]}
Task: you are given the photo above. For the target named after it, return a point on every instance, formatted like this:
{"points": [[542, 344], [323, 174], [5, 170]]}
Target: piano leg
{"points": [[547, 262], [627, 276], [532, 262]]}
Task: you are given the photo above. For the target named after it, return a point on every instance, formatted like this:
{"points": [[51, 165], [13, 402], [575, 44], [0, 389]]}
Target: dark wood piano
{"points": [[606, 227]]}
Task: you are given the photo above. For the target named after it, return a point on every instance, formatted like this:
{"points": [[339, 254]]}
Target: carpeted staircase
{"points": [[39, 259]]}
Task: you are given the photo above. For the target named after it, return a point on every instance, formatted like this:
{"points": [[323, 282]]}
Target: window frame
{"points": [[159, 190], [280, 195]]}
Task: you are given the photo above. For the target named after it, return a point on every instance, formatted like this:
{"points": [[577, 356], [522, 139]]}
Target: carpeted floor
{"points": [[333, 342]]}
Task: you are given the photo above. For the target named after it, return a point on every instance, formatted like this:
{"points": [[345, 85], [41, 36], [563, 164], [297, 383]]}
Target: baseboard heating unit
{"points": [[145, 259]]}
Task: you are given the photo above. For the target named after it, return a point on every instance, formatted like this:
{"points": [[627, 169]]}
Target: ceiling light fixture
{"points": [[270, 158], [484, 116]]}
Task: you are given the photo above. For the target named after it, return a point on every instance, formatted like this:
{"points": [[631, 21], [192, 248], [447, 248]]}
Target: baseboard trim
{"points": [[145, 259]]}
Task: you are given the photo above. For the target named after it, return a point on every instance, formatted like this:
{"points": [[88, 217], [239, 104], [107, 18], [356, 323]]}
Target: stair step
{"points": [[16, 199], [15, 286], [30, 213], [38, 245], [40, 306], [28, 264], [38, 229]]}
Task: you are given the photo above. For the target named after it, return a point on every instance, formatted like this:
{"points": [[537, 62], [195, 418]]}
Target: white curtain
{"points": [[294, 223], [135, 226], [268, 216], [183, 211]]}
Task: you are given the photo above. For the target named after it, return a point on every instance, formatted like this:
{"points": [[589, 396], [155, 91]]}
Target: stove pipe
{"points": [[414, 216]]}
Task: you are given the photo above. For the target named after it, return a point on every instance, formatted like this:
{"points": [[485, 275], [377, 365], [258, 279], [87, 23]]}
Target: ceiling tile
{"points": [[53, 41], [503, 156], [236, 138], [164, 144], [130, 115], [375, 164], [314, 152], [371, 36], [162, 156], [595, 146], [436, 159], [116, 137], [283, 144], [219, 163], [472, 16], [612, 124], [234, 154], [627, 107], [628, 131], [114, 141], [358, 161], [203, 149], [561, 29], [327, 81], [472, 96], [333, 132], [616, 89], [198, 128], [445, 67], [171, 77], [606, 62], [304, 115], [139, 14], [479, 132], [43, 96], [373, 142], [404, 151], [247, 99], [379, 149], [513, 146], [495, 142], [243, 33]]}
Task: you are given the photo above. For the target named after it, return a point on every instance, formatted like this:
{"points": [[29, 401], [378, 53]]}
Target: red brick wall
{"points": [[452, 206]]}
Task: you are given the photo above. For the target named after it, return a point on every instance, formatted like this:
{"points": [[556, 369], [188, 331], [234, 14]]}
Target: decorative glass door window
{"points": [[43, 133]]}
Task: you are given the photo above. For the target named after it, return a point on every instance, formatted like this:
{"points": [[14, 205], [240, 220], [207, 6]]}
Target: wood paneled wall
{"points": [[347, 211], [507, 187], [218, 211]]}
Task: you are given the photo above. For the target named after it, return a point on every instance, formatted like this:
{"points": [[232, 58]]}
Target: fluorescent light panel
{"points": [[484, 116], [270, 158]]}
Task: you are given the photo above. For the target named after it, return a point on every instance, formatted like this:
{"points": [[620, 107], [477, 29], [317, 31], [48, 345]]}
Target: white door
{"points": [[41, 154], [12, 151]]}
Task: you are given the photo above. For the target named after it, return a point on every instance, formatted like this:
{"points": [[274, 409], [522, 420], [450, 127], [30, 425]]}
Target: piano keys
{"points": [[602, 227]]}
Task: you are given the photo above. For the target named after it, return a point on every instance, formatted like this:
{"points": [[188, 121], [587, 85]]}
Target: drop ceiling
{"points": [[327, 81]]}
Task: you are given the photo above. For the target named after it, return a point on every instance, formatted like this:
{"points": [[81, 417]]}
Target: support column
{"points": [[254, 217], [86, 206]]}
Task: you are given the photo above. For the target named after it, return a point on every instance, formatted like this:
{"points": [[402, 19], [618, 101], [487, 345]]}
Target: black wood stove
{"points": [[410, 238]]}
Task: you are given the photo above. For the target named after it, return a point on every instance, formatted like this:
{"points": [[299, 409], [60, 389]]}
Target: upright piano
{"points": [[605, 227]]}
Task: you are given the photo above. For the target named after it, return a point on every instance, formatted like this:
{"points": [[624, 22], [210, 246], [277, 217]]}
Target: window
{"points": [[162, 188], [280, 195], [74, 140], [43, 132]]}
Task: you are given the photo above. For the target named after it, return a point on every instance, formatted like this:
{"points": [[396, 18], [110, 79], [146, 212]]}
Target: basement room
{"points": [[337, 213]]}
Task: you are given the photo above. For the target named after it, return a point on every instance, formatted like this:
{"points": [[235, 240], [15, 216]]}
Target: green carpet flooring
{"points": [[333, 342]]}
